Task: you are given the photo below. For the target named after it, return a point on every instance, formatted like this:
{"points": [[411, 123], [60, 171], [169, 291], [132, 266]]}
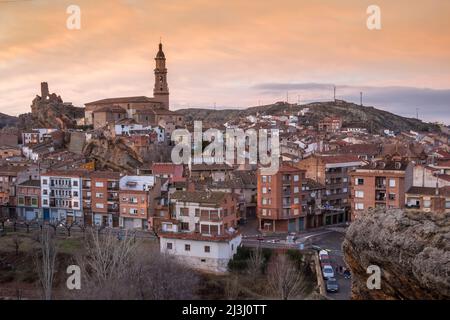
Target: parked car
{"points": [[323, 254], [327, 271], [332, 285], [325, 261]]}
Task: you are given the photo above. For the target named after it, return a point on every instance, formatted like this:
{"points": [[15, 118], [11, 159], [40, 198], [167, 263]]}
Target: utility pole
{"points": [[361, 98], [334, 95], [417, 113], [287, 96]]}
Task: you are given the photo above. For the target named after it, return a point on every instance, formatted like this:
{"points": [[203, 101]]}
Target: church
{"points": [[144, 110]]}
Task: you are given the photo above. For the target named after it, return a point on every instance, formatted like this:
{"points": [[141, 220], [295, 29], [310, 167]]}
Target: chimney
{"points": [[44, 90]]}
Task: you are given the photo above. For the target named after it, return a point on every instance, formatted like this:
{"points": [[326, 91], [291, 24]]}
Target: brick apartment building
{"points": [[330, 124], [105, 200], [138, 199], [380, 184], [332, 171], [279, 200], [29, 200], [428, 199]]}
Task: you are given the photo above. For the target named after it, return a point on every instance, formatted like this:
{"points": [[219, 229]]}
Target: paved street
{"points": [[329, 239]]}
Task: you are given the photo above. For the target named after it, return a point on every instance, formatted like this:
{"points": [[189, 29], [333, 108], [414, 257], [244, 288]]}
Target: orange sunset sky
{"points": [[232, 53]]}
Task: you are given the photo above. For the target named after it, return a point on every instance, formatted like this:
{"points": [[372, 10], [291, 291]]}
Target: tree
{"points": [[16, 241], [284, 278], [122, 269], [46, 262], [68, 225], [255, 263]]}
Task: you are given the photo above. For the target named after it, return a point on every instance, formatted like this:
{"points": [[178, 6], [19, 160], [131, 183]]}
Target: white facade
{"points": [[61, 197], [205, 255]]}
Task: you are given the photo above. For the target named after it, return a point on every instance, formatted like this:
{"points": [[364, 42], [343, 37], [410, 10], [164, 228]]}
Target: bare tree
{"points": [[115, 268], [68, 225], [255, 263], [16, 241], [284, 278], [46, 262], [232, 287]]}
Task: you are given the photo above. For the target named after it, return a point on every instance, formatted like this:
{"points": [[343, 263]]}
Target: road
{"points": [[329, 239]]}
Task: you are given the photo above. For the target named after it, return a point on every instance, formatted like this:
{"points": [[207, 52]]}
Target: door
{"points": [[291, 225], [301, 223], [46, 214]]}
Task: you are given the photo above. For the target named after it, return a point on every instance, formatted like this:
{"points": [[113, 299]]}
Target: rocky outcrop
{"points": [[50, 111], [411, 248], [112, 153]]}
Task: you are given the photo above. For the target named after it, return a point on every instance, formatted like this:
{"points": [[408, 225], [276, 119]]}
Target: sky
{"points": [[231, 54]]}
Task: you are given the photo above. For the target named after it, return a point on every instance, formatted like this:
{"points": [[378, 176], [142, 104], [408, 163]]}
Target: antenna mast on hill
{"points": [[361, 98], [334, 95], [417, 113]]}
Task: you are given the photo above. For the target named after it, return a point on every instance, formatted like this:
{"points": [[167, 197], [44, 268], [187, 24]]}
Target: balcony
{"points": [[210, 218], [113, 186]]}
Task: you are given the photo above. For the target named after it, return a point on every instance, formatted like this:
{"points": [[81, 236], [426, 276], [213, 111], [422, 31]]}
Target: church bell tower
{"points": [[161, 89]]}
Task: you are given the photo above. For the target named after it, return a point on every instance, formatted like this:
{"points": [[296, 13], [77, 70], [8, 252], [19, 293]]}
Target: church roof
{"points": [[138, 99]]}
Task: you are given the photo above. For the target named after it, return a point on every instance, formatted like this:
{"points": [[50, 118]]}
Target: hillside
{"points": [[7, 121], [353, 115]]}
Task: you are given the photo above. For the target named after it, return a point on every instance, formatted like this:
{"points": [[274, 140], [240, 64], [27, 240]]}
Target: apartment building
{"points": [[9, 177], [380, 184], [279, 200], [29, 200], [104, 192], [203, 233], [332, 171], [138, 196], [428, 199], [312, 193], [61, 195], [330, 124]]}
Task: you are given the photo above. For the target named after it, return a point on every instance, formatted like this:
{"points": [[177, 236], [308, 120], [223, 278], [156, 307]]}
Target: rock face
{"points": [[411, 248], [49, 111], [112, 153]]}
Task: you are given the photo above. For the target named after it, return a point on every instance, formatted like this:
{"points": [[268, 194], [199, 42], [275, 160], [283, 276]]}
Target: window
{"points": [[264, 179], [187, 247], [296, 190], [75, 204], [264, 212], [45, 202], [359, 194], [391, 196], [99, 195], [447, 204], [359, 206], [197, 212], [184, 211], [99, 184], [296, 201], [75, 193], [45, 192], [296, 178], [75, 183], [21, 201], [185, 226], [44, 181], [34, 201], [133, 211], [344, 190], [427, 203], [296, 211], [391, 183], [344, 180], [207, 249], [359, 181], [264, 190], [99, 205], [169, 245]]}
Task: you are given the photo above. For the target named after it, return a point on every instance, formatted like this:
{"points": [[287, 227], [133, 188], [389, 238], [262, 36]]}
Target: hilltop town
{"points": [[108, 166]]}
